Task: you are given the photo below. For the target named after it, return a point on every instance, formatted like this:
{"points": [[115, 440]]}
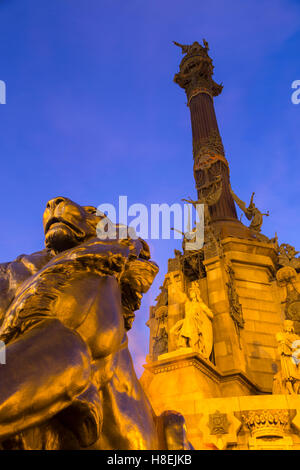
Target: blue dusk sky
{"points": [[92, 111]]}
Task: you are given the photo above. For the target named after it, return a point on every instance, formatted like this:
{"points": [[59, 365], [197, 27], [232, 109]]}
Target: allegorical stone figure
{"points": [[195, 329], [161, 336], [69, 381], [288, 379]]}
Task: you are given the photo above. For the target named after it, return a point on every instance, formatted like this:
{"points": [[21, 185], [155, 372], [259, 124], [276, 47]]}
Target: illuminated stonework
{"points": [[250, 284]]}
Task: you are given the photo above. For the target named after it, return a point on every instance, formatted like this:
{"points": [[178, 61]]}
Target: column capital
{"points": [[196, 70]]}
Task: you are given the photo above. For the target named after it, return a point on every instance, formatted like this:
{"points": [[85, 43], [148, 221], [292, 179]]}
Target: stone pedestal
{"points": [[251, 348], [248, 306]]}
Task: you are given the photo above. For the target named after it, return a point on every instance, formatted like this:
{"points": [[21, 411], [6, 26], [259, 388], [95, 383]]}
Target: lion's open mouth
{"points": [[57, 220]]}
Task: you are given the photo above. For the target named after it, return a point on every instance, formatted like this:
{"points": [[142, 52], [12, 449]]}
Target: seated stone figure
{"points": [[69, 381]]}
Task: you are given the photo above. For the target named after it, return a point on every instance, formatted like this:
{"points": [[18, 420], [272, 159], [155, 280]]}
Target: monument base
{"points": [[221, 411], [177, 385]]}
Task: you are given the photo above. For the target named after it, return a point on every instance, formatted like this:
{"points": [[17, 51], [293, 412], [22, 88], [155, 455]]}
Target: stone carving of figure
{"points": [[288, 379], [195, 329], [287, 256], [160, 343], [251, 212], [186, 49]]}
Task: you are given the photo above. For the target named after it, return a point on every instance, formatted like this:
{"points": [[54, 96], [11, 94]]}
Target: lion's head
{"points": [[67, 224]]}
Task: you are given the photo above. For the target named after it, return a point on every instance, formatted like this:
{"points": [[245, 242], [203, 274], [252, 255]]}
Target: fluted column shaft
{"points": [[206, 138]]}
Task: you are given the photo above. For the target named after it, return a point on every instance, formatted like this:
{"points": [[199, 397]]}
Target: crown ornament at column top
{"points": [[196, 71]]}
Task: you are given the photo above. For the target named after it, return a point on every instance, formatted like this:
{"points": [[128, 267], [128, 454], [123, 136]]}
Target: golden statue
{"points": [[288, 379], [287, 256], [69, 381], [251, 212], [186, 49], [195, 329]]}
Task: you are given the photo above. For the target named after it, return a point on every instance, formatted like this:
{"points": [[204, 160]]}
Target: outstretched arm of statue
{"points": [[46, 368], [240, 203]]}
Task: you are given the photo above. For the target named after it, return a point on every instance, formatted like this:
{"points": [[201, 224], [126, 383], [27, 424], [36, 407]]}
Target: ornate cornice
{"points": [[199, 362]]}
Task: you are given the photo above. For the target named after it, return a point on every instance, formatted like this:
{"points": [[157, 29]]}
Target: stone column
{"points": [[211, 169]]}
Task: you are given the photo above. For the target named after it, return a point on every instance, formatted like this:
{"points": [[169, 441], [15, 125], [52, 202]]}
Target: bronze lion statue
{"points": [[69, 380]]}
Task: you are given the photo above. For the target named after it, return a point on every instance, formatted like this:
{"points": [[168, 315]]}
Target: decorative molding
{"points": [[267, 423]]}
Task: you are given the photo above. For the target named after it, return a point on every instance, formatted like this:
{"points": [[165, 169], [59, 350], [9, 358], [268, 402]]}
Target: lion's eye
{"points": [[58, 200]]}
